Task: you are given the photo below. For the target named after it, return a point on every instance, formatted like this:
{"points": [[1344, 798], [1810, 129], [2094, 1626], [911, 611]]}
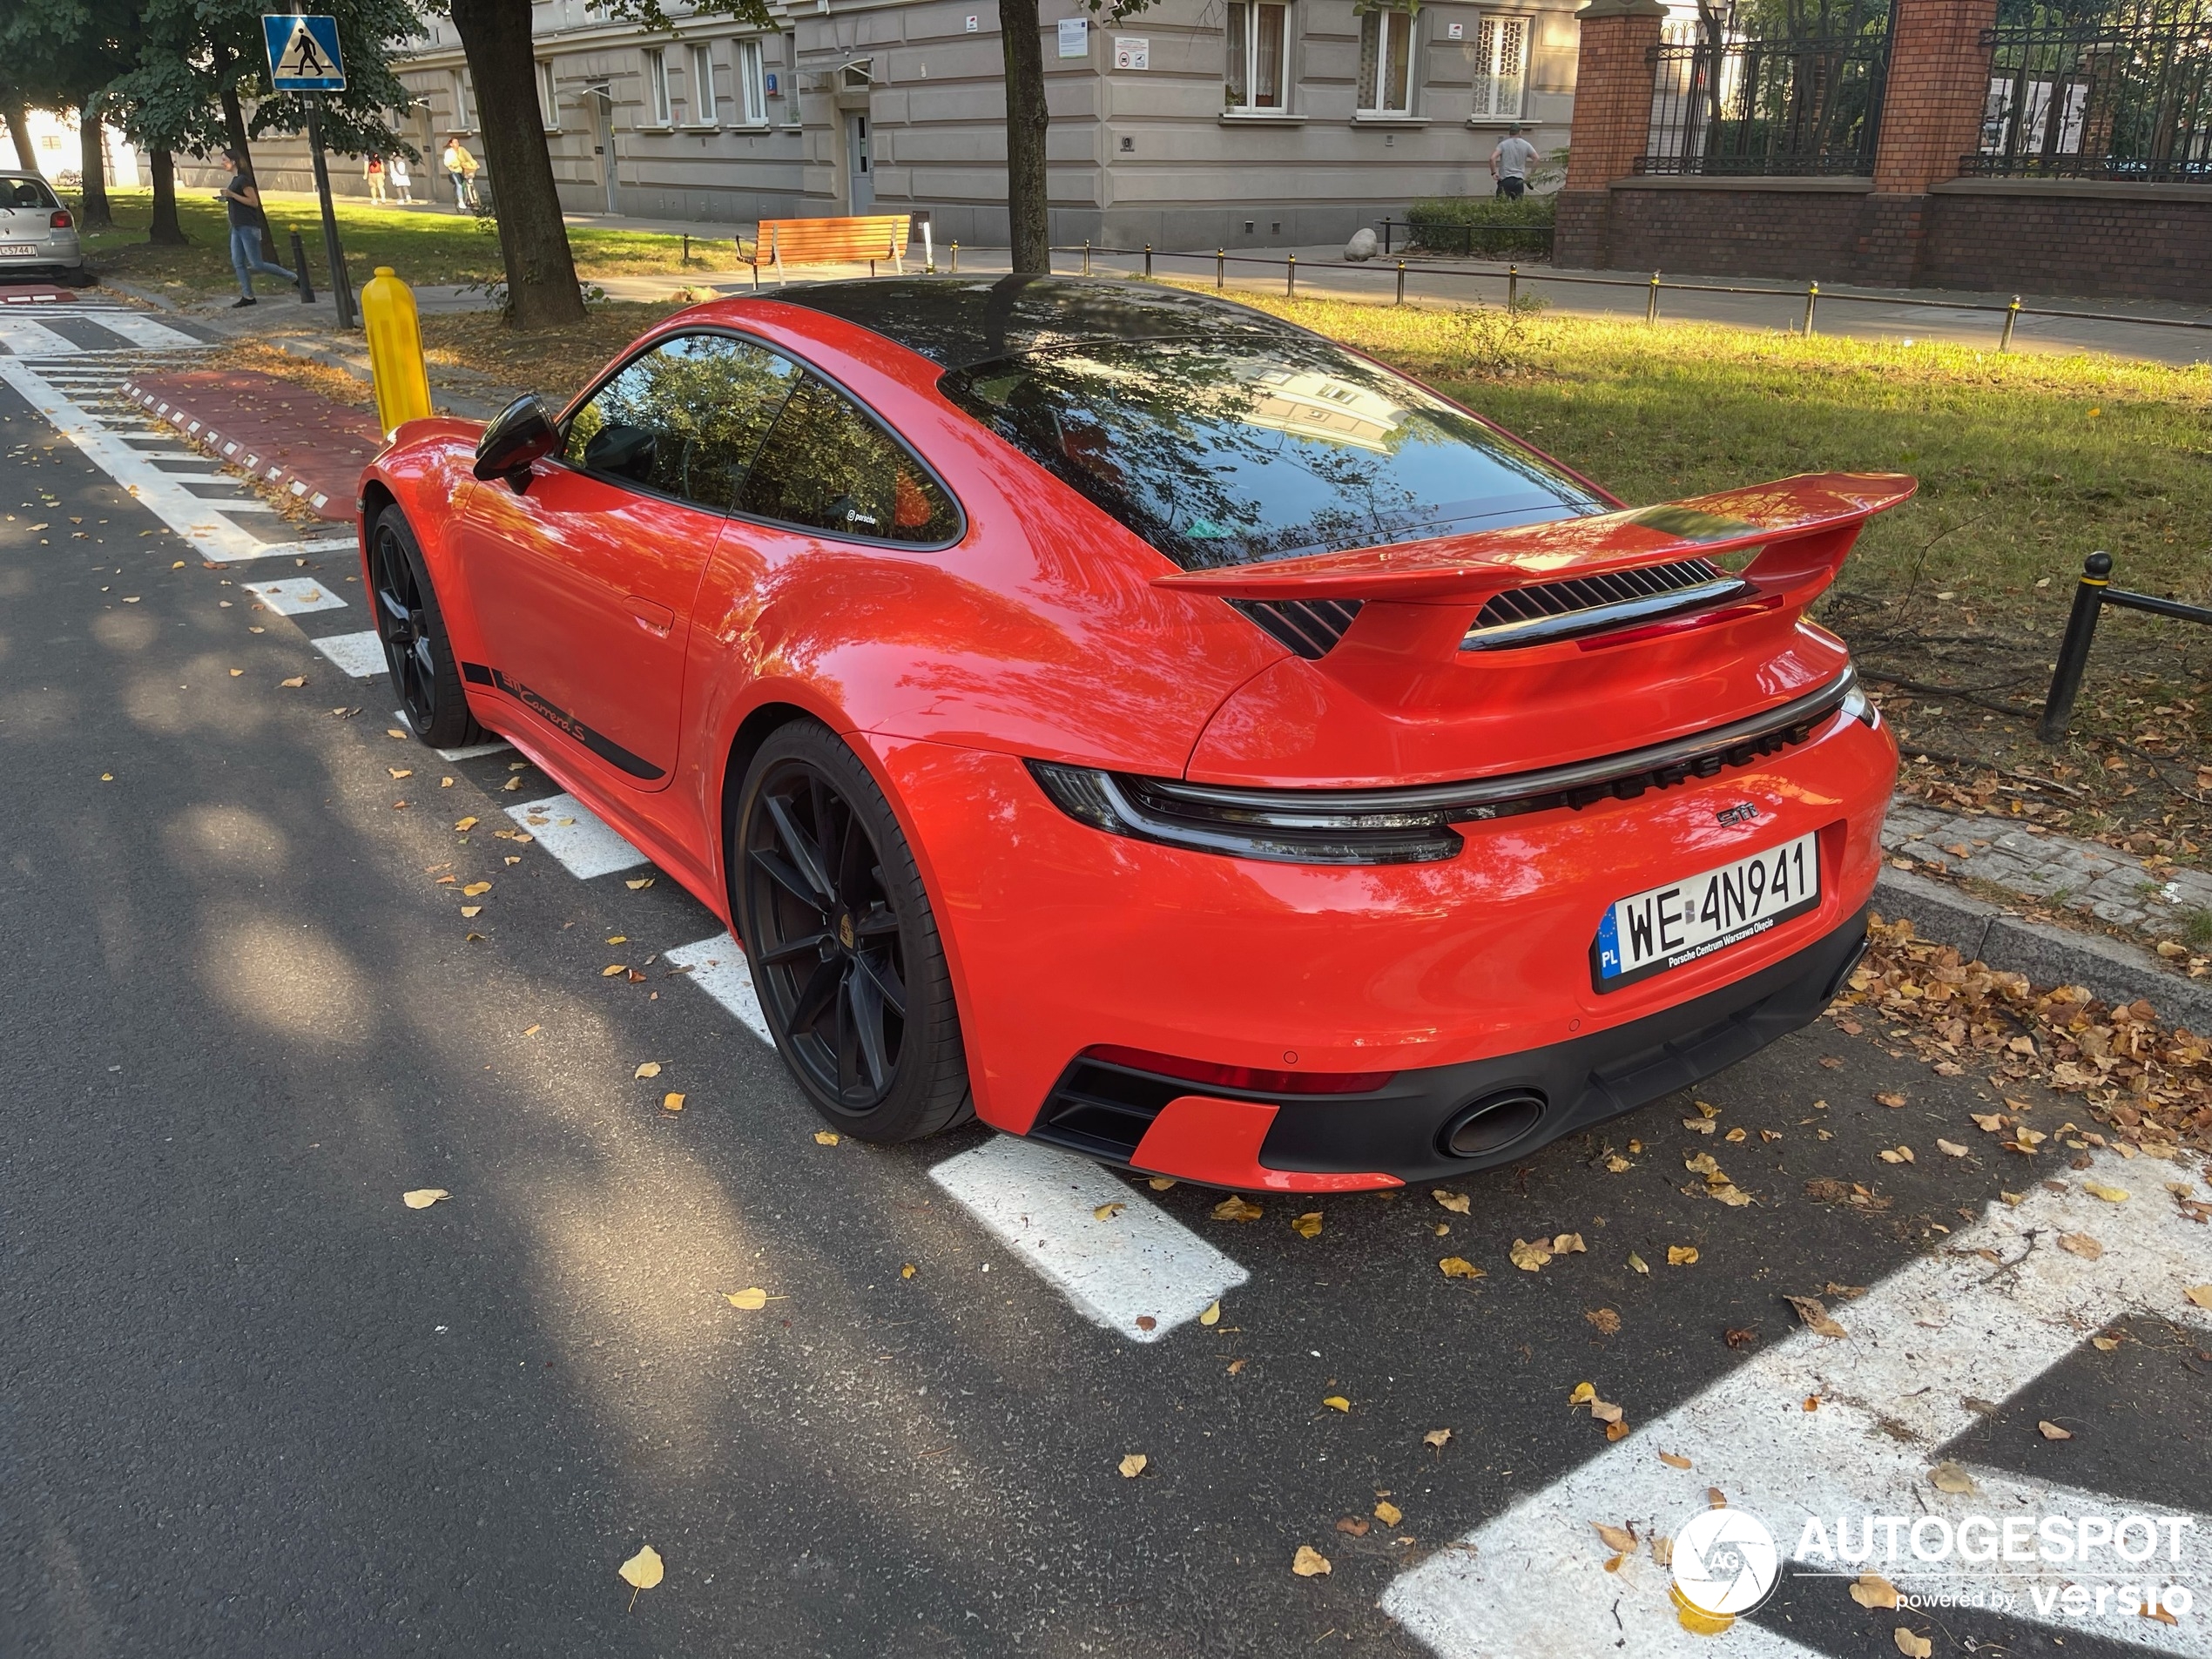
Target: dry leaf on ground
{"points": [[1895, 1154], [1890, 1099], [671, 1101], [1338, 1403], [752, 1300], [1950, 1148], [1621, 1539], [1682, 1255], [1949, 1477], [2110, 1195], [2081, 1245], [1307, 1225], [642, 1570], [1527, 1257], [1873, 1590], [423, 1197], [1457, 1203], [2200, 1294], [1607, 1321], [1308, 1563], [1815, 1316], [1133, 1465], [1460, 1267], [1674, 1459], [1569, 1244], [649, 1068], [827, 1138], [1108, 1211], [1211, 1314], [1388, 1513], [1637, 1263], [1236, 1207], [1436, 1438], [1911, 1646], [2052, 1431]]}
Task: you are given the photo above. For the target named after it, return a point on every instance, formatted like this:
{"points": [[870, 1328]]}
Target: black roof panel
{"points": [[961, 321]]}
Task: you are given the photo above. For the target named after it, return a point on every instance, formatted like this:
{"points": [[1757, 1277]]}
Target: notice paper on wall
{"points": [[1132, 52], [1074, 36]]}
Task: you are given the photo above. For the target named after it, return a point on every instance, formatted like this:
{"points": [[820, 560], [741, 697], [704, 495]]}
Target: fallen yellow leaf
{"points": [[1457, 1203], [1911, 1646], [1234, 1208], [1815, 1316], [1682, 1255], [1133, 1465], [649, 1068], [613, 969], [1568, 1244], [1949, 1477], [1337, 1403], [2081, 1245], [1895, 1154], [1307, 1225], [1108, 1211], [1211, 1314], [400, 772], [423, 1197], [2052, 1431], [1308, 1563], [294, 683], [671, 1101], [827, 1138], [640, 884], [1583, 1394], [1674, 1459], [1951, 1149], [1872, 1590], [472, 910], [2104, 1345], [1622, 1539], [2110, 1195], [1388, 1513], [1616, 1163], [1527, 1257], [2200, 1294], [1437, 1438], [1638, 1264], [642, 1570], [751, 1300], [1160, 1182]]}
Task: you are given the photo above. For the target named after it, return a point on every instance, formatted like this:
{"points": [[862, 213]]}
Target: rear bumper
{"points": [[1400, 1133]]}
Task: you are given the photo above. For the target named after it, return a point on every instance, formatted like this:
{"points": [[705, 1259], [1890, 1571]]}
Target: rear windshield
{"points": [[1227, 450], [25, 192]]}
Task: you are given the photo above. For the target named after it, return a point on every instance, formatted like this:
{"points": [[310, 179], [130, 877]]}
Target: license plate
{"points": [[1664, 928], [7, 248]]}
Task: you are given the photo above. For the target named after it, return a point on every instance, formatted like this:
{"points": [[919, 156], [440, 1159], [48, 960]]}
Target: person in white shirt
{"points": [[1509, 163]]}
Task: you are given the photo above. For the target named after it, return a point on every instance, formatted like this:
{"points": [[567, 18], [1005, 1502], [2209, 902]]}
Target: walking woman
{"points": [[244, 202], [373, 170]]}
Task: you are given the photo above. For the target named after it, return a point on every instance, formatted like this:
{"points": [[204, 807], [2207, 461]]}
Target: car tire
{"points": [[411, 627], [845, 956]]}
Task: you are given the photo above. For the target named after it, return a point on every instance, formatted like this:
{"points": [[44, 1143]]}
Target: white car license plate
{"points": [[17, 249], [1664, 928]]}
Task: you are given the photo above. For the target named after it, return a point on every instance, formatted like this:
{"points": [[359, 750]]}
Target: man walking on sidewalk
{"points": [[244, 202], [1509, 164]]}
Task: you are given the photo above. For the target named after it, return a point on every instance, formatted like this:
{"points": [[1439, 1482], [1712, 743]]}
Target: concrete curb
{"points": [[2114, 971]]}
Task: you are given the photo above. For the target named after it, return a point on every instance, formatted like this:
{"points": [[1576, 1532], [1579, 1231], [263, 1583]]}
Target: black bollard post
{"points": [[2074, 650], [300, 265]]}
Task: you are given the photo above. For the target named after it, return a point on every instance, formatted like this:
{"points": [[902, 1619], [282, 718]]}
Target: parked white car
{"points": [[37, 234]]}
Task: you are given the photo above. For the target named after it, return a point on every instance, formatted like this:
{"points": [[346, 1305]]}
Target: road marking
{"points": [[360, 655], [27, 339], [1041, 1203], [718, 967], [1531, 1583], [576, 836], [234, 503], [328, 544], [213, 537], [143, 331], [295, 596]]}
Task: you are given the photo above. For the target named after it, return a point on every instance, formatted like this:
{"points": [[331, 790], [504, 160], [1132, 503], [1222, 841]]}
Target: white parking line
{"points": [[295, 596], [199, 522], [1138, 1273], [360, 655], [718, 967], [576, 836], [1532, 1583]]}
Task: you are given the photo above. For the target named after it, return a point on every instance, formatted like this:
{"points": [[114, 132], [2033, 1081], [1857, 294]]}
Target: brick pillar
{"points": [[1612, 121], [1931, 108]]}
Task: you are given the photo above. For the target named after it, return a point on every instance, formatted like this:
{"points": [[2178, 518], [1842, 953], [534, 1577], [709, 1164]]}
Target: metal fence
{"points": [[2122, 98], [1722, 103]]}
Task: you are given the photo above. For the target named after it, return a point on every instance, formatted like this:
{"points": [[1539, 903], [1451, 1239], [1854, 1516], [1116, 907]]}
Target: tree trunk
{"points": [[165, 230], [1027, 209], [533, 242], [92, 212], [234, 123], [18, 120]]}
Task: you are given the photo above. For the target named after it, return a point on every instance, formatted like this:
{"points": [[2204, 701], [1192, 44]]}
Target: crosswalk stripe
{"points": [[144, 331], [1137, 1272], [718, 967], [579, 837], [24, 338], [360, 655], [295, 596]]}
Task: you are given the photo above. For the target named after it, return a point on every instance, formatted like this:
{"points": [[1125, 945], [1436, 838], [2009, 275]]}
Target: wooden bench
{"points": [[828, 241]]}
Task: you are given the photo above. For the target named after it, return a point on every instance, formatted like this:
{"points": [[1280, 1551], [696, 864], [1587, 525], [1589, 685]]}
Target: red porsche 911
{"points": [[1156, 729]]}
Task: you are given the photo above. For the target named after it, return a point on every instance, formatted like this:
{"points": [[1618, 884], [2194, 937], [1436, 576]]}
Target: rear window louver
{"points": [[1521, 616]]}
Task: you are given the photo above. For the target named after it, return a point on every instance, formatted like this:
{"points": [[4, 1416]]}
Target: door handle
{"points": [[654, 619]]}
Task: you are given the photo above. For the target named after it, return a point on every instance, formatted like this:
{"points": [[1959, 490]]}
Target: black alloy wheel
{"points": [[845, 954], [412, 631]]}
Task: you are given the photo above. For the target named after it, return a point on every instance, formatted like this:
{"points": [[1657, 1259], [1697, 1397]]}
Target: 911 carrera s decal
{"points": [[605, 747]]}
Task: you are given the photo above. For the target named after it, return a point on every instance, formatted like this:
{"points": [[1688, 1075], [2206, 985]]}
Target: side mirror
{"points": [[523, 433]]}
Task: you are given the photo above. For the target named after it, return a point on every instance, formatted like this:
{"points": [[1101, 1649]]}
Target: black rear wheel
{"points": [[845, 954], [412, 631]]}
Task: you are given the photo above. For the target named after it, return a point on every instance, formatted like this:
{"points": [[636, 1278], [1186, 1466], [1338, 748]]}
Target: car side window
{"points": [[686, 418], [829, 466]]}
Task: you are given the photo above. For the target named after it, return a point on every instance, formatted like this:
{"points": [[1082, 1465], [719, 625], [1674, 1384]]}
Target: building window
{"points": [[459, 87], [1386, 63], [1501, 65], [703, 113], [657, 110], [549, 99], [1259, 56], [790, 78], [752, 85]]}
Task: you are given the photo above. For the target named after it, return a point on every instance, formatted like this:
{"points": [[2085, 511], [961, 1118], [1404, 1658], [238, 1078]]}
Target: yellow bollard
{"points": [[394, 351]]}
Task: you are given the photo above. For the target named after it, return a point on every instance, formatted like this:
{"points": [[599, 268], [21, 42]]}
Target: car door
{"points": [[584, 581]]}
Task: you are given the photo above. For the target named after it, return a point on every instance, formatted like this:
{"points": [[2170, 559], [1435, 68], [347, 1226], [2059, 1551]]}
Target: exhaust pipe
{"points": [[1493, 1123]]}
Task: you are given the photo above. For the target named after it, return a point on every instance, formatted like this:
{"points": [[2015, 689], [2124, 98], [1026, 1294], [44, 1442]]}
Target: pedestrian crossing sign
{"points": [[303, 53]]}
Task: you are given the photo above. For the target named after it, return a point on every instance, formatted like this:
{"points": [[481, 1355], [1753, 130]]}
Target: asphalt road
{"points": [[252, 1404]]}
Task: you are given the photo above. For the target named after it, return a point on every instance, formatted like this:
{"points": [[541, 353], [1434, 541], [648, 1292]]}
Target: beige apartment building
{"points": [[1198, 123]]}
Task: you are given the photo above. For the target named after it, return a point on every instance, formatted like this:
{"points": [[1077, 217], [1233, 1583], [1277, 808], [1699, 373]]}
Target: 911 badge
{"points": [[1742, 812]]}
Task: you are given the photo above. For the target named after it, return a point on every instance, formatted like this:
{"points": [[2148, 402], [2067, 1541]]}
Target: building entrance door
{"points": [[602, 105], [859, 165]]}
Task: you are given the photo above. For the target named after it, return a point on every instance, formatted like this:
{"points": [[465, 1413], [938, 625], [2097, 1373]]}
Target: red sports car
{"points": [[1156, 729]]}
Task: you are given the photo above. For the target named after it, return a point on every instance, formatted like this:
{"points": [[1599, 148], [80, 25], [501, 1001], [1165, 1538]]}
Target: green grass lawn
{"points": [[428, 247]]}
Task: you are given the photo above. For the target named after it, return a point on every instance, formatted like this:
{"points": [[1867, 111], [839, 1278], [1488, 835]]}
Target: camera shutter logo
{"points": [[1726, 1561]]}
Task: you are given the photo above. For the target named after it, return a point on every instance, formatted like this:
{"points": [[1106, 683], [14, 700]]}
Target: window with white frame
{"points": [[702, 73], [549, 97], [1258, 77], [1500, 64], [659, 112], [752, 85], [790, 78], [459, 87], [1386, 62]]}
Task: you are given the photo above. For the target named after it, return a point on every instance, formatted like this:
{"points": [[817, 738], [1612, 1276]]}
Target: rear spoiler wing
{"points": [[1804, 527]]}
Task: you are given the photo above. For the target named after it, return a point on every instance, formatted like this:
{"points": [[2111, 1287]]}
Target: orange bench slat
{"points": [[800, 242]]}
